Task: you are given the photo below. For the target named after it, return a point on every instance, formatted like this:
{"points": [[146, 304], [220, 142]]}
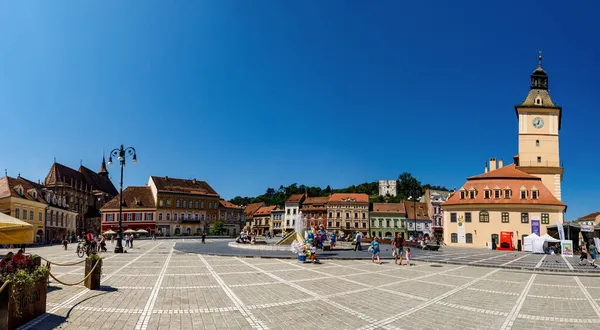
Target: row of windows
{"points": [[468, 238], [484, 216], [26, 215], [130, 216], [184, 204], [388, 222], [498, 193], [186, 216], [348, 224], [364, 215]]}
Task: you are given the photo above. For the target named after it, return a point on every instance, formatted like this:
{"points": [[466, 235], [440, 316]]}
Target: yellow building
{"points": [[518, 198], [19, 198]]}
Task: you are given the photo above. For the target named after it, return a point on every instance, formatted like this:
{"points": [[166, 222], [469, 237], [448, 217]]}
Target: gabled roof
{"points": [[264, 210], [228, 205], [296, 198], [183, 186], [8, 185], [348, 198], [84, 178], [389, 208], [316, 200], [422, 210], [133, 198], [252, 208], [506, 172]]}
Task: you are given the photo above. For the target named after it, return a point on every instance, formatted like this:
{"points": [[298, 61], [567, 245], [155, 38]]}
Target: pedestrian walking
{"points": [[593, 253], [126, 240], [112, 239], [375, 250], [131, 241], [398, 244], [203, 238], [407, 256], [357, 246], [583, 255]]}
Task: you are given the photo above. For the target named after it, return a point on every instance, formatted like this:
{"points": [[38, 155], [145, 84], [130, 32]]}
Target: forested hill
{"points": [[405, 183]]}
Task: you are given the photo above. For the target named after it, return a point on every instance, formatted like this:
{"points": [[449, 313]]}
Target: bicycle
{"points": [[83, 249]]}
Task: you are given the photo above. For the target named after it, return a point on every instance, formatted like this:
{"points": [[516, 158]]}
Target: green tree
{"points": [[218, 228], [408, 185]]}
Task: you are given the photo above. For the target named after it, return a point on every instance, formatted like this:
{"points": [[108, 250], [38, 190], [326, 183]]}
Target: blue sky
{"points": [[252, 94]]}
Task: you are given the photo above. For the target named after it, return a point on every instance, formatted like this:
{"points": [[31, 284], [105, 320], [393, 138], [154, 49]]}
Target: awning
{"points": [[15, 231]]}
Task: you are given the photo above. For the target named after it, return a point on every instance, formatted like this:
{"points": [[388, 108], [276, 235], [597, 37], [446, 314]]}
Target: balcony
{"points": [[543, 163], [192, 221]]}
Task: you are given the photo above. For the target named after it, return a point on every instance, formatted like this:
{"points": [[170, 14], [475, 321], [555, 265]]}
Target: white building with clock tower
{"points": [[539, 124]]}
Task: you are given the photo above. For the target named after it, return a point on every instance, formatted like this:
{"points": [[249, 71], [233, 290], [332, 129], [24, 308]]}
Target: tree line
{"points": [[406, 186]]}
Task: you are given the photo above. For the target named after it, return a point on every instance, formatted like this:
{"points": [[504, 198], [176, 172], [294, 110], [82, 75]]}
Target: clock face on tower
{"points": [[538, 122]]}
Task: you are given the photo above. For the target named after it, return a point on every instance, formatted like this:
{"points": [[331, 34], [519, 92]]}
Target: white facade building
{"points": [[387, 188], [292, 208]]}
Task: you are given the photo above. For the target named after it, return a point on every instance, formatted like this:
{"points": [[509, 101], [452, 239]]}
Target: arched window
{"points": [[484, 216], [184, 204], [160, 217], [168, 216]]}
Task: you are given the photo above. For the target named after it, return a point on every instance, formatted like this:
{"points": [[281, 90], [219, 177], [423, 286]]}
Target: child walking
{"points": [[375, 250], [407, 256]]}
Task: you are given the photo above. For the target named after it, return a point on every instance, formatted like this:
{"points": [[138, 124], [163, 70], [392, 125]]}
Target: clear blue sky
{"points": [[252, 94]]}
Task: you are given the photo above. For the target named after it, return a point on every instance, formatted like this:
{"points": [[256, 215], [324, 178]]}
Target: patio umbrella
{"points": [[142, 231], [129, 231], [15, 231], [109, 232]]}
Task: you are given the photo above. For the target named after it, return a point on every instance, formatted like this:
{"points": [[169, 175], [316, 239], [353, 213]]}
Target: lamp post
{"points": [[414, 194], [121, 153]]}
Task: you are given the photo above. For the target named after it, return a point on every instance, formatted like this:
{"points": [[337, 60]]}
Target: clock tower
{"points": [[539, 124]]}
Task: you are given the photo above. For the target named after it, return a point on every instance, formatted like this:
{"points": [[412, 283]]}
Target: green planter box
{"points": [[30, 307], [93, 281]]}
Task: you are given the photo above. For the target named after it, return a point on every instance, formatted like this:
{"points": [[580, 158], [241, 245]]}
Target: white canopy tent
{"points": [[528, 242], [540, 244], [550, 239]]}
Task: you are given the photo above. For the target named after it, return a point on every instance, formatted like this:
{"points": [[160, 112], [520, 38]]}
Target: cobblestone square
{"points": [[157, 286]]}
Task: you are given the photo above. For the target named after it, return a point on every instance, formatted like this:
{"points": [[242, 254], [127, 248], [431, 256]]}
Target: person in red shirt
{"points": [[19, 256]]}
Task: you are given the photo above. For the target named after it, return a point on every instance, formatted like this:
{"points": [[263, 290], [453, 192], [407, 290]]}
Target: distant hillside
{"points": [[406, 183]]}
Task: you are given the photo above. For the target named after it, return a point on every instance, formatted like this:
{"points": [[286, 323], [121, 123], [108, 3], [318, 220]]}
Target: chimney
{"points": [[493, 164], [500, 163], [486, 168]]}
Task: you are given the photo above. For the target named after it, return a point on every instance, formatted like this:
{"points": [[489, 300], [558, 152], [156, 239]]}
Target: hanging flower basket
{"points": [[93, 264], [23, 297]]}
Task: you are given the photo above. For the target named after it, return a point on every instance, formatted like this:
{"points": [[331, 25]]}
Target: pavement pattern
{"points": [[156, 286]]}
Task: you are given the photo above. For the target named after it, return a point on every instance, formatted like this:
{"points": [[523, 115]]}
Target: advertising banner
{"points": [[566, 248], [535, 226], [461, 230], [587, 228], [561, 230]]}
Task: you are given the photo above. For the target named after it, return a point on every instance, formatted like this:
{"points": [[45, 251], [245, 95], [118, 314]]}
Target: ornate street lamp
{"points": [[121, 153], [414, 195]]}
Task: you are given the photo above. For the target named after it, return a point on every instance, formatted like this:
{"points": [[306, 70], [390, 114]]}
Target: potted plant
{"points": [[93, 264], [24, 287]]}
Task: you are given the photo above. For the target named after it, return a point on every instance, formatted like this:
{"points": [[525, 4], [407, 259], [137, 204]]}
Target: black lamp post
{"points": [[121, 153], [414, 194]]}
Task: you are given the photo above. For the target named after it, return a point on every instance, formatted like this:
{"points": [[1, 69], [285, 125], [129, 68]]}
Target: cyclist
{"points": [[90, 243]]}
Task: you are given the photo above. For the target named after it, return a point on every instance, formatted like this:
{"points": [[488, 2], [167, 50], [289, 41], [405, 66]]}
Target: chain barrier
{"points": [[73, 284]]}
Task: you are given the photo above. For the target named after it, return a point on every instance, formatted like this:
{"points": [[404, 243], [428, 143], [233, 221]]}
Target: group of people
{"points": [[398, 250]]}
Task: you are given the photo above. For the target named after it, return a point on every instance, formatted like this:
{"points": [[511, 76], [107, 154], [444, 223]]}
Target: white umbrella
{"points": [[142, 231], [129, 231], [109, 232]]}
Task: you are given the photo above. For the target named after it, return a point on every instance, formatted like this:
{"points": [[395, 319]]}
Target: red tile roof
{"points": [[252, 208], [133, 198], [264, 210], [389, 208], [295, 198], [422, 210], [350, 198], [8, 185], [183, 186], [591, 216], [316, 200], [227, 205], [504, 178], [84, 176]]}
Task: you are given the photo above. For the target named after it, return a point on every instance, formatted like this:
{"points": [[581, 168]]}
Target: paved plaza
{"points": [[158, 286]]}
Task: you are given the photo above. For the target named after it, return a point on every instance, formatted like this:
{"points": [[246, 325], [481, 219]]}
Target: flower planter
{"points": [[301, 258], [29, 307], [93, 281]]}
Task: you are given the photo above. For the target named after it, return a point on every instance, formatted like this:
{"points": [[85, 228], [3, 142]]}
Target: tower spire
{"points": [[539, 58], [103, 170]]}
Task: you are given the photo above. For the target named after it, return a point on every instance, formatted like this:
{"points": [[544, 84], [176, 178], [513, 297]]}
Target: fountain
{"points": [[298, 234]]}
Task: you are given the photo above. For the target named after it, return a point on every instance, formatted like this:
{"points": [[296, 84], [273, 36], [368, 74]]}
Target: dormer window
{"points": [[462, 195], [19, 190], [486, 194], [523, 194], [535, 193], [538, 101], [472, 194], [506, 193]]}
